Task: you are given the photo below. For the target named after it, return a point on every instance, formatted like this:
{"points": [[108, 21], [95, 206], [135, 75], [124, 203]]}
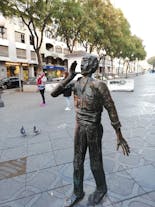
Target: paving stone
{"points": [[49, 168], [11, 188], [38, 148], [148, 153], [40, 161], [42, 137], [58, 143], [121, 186], [140, 201], [115, 162], [13, 142], [144, 176], [63, 156], [13, 153], [43, 180]]}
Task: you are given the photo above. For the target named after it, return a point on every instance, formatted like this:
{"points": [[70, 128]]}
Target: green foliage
{"points": [[151, 61], [94, 23], [69, 18], [134, 48], [35, 14]]}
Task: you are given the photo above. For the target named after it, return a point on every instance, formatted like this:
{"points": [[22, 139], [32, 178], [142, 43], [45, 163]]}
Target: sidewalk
{"points": [[36, 171]]}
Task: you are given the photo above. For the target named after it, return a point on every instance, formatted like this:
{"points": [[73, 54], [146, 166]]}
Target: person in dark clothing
{"points": [[90, 96], [67, 94]]}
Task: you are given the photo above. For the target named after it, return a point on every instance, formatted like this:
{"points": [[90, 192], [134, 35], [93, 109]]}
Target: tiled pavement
{"points": [[36, 171]]}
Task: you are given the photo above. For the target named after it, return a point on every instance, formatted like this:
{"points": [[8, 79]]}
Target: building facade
{"points": [[17, 55], [18, 58]]}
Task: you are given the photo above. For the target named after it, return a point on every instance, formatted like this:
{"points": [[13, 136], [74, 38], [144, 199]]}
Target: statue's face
{"points": [[84, 65], [89, 65]]}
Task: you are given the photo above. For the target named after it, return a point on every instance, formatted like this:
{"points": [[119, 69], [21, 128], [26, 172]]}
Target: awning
{"points": [[51, 67]]}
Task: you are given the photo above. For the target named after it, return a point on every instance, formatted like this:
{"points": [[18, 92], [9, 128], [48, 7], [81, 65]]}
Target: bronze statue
{"points": [[90, 96]]}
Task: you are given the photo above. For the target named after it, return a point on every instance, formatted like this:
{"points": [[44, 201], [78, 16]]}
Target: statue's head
{"points": [[89, 64]]}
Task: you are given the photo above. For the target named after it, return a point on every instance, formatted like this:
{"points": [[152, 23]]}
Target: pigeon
{"points": [[36, 131], [23, 132]]}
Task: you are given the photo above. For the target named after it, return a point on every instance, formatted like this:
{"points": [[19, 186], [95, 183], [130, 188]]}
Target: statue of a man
{"points": [[90, 96]]}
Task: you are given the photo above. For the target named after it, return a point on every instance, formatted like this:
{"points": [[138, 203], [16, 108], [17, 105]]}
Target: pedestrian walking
{"points": [[90, 96], [41, 81], [67, 93]]}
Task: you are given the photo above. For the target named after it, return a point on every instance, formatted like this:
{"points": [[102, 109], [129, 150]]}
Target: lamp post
{"points": [[2, 31]]}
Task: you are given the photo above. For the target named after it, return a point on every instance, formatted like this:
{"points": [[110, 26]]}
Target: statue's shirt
{"points": [[88, 101]]}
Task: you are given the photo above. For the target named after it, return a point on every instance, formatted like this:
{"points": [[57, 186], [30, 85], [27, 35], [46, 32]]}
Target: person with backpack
{"points": [[41, 81]]}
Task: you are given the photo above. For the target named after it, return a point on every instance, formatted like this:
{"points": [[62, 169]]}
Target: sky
{"points": [[141, 17]]}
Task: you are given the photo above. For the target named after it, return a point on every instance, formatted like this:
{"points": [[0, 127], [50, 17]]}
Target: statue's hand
{"points": [[72, 67], [124, 145]]}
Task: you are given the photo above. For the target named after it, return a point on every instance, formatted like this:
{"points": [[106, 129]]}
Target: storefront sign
{"points": [[51, 67], [16, 64]]}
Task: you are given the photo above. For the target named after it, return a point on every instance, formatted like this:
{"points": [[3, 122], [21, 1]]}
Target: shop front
{"points": [[16, 69], [53, 71]]}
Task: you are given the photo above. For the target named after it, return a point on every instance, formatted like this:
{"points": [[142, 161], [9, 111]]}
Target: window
{"points": [[49, 47], [66, 51], [21, 53], [4, 51], [3, 32], [43, 57], [31, 40], [58, 49], [48, 34], [20, 37], [33, 55]]}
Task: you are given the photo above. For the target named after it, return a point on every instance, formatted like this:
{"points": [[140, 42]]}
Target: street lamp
{"points": [[2, 25], [2, 31]]}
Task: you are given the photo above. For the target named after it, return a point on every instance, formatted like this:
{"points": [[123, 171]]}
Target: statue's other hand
{"points": [[124, 145], [72, 67]]}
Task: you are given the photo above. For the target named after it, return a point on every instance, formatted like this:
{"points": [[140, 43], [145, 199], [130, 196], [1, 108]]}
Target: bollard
{"points": [[1, 102]]}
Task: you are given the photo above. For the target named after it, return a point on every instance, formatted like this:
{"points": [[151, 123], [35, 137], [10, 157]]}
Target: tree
{"points": [[151, 61], [92, 35], [69, 19], [35, 14], [82, 21], [139, 50]]}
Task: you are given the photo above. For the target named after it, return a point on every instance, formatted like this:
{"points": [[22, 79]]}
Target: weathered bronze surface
{"points": [[90, 97]]}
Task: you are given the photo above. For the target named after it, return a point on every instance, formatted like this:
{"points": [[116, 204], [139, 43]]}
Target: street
{"points": [[36, 171]]}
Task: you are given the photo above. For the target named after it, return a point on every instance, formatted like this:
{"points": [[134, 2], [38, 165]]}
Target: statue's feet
{"points": [[73, 199], [96, 197]]}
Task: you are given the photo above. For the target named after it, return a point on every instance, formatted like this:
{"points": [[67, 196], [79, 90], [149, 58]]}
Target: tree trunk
{"points": [[119, 67], [40, 68], [127, 68], [112, 66]]}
